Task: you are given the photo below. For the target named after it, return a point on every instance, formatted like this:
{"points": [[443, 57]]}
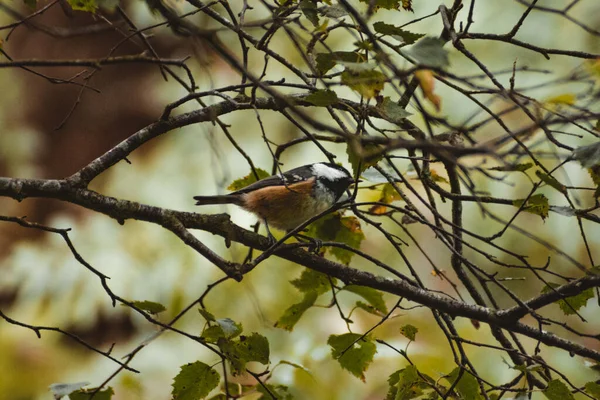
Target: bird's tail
{"points": [[220, 199]]}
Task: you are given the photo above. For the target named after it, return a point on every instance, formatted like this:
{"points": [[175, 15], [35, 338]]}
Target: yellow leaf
{"points": [[427, 83], [566, 99]]}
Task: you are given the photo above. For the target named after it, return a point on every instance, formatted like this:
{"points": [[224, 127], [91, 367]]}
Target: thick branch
{"points": [[220, 224]]}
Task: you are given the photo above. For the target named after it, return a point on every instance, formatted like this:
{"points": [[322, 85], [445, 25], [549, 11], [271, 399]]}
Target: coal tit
{"points": [[287, 200]]}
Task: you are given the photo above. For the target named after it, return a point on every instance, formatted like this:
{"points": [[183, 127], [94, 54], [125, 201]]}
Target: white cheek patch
{"points": [[324, 171]]}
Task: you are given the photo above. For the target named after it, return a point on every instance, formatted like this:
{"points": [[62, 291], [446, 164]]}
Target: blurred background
{"points": [[52, 130]]}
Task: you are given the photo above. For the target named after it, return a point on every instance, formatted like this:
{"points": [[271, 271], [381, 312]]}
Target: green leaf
{"points": [[255, 348], [428, 51], [30, 3], [387, 4], [309, 9], [549, 180], [593, 389], [594, 172], [409, 331], [248, 179], [404, 384], [247, 348], [572, 304], [195, 381], [207, 315], [588, 155], [537, 204], [367, 83], [360, 164], [292, 315], [334, 227], [396, 32], [326, 61], [372, 296], [368, 308], [322, 98], [467, 386], [391, 111], [225, 328], [513, 167], [352, 357], [149, 306], [311, 280], [86, 394], [556, 390], [281, 392], [83, 5]]}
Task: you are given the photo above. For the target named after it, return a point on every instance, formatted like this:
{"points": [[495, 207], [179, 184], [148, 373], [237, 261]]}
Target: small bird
{"points": [[287, 200]]}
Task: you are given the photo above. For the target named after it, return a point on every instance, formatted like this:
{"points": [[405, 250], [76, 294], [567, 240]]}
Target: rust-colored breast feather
{"points": [[281, 206]]}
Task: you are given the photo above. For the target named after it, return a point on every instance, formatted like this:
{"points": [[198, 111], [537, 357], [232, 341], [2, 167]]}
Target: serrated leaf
{"points": [[322, 98], [409, 332], [59, 390], [149, 306], [352, 357], [372, 296], [292, 314], [326, 61], [213, 333], [397, 32], [594, 172], [84, 5], [224, 328], [245, 349], [593, 389], [404, 384], [537, 204], [311, 280], [309, 9], [391, 111], [281, 392], [247, 180], [572, 304], [428, 51], [549, 180], [467, 386], [367, 83], [255, 348], [194, 381], [387, 4], [556, 390], [513, 167]]}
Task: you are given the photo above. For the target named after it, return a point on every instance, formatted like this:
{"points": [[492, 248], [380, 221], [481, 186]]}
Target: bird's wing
{"points": [[287, 178]]}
